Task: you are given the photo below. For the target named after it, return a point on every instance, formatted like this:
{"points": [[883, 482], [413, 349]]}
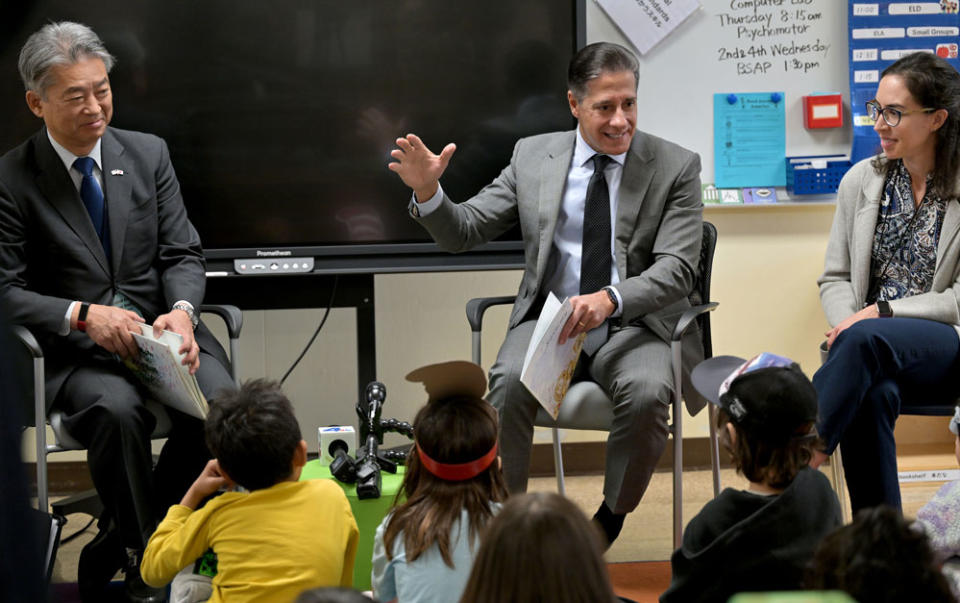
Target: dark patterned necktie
{"points": [[595, 258], [92, 196]]}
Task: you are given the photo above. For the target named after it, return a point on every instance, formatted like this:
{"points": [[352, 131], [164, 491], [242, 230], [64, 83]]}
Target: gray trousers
{"points": [[633, 367]]}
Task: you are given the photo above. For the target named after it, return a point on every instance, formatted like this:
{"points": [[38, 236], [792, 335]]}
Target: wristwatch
{"points": [[883, 309], [188, 308], [613, 297]]}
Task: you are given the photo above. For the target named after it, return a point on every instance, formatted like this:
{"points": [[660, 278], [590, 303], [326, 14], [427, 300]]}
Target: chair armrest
{"points": [[28, 340], [478, 305], [688, 316], [231, 315]]}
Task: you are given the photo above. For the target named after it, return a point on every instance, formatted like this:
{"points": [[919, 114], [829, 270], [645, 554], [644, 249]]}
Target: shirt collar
{"points": [[68, 158], [583, 152]]}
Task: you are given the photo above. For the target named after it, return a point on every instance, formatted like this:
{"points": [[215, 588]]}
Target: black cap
{"points": [[767, 396]]}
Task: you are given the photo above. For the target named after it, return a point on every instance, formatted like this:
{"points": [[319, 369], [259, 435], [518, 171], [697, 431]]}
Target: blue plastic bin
{"points": [[804, 180]]}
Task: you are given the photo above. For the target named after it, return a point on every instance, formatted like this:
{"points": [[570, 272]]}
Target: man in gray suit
{"points": [[94, 241], [611, 217]]}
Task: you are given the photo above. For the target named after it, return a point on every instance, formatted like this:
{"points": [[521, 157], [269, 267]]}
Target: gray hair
{"points": [[63, 43], [596, 59]]}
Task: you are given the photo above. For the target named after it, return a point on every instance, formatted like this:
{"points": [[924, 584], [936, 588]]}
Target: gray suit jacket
{"points": [[846, 275], [657, 233], [50, 254]]}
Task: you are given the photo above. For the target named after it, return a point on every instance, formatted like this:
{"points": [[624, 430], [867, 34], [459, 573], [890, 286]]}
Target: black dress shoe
{"points": [[100, 559], [135, 590]]}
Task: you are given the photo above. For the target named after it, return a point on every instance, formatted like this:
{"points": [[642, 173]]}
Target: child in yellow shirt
{"points": [[280, 537]]}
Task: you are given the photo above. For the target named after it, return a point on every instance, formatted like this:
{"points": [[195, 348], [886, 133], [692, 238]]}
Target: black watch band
{"points": [[82, 317], [883, 308], [613, 298]]}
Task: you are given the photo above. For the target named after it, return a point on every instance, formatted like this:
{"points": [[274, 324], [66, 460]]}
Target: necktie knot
{"points": [[600, 162], [85, 165]]}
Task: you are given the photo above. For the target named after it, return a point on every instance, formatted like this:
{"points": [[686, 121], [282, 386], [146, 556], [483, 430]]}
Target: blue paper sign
{"points": [[749, 140]]}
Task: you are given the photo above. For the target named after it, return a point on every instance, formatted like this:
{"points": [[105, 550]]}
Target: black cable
{"points": [[67, 539], [333, 295]]}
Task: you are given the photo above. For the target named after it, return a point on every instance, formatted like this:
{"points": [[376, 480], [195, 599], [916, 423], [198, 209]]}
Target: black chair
{"points": [[586, 406], [88, 501]]}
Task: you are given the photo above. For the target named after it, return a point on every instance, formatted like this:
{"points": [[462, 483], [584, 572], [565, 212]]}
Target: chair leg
{"points": [[677, 445], [40, 432], [839, 483], [558, 461], [714, 448]]}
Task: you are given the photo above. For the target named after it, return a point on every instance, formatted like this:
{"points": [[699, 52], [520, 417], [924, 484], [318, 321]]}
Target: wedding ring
{"points": [[581, 323]]}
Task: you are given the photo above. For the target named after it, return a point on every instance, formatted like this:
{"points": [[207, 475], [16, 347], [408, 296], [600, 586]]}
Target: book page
{"points": [[160, 370], [548, 366]]}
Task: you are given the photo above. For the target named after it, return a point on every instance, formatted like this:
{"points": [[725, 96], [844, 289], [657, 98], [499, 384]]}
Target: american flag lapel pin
{"points": [[116, 172]]}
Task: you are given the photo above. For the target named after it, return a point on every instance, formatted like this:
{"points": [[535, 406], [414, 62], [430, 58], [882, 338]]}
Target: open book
{"points": [[548, 366], [159, 367]]}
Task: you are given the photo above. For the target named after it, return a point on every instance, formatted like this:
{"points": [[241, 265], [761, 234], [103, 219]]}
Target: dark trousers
{"points": [[876, 370], [105, 412]]}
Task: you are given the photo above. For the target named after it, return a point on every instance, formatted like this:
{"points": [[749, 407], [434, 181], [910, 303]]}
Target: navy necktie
{"points": [[595, 258], [92, 196]]}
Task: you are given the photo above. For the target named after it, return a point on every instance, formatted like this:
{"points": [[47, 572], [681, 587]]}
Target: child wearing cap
{"points": [[761, 538], [940, 518], [424, 549]]}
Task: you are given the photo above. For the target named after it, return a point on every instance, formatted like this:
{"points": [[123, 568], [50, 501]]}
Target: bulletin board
{"points": [[796, 47]]}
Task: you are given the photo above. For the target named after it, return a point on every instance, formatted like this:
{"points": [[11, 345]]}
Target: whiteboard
{"points": [[679, 76]]}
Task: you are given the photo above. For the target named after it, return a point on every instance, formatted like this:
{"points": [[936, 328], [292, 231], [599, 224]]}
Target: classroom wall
{"points": [[765, 270]]}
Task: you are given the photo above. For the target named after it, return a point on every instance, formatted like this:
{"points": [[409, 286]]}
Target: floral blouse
{"points": [[905, 239]]}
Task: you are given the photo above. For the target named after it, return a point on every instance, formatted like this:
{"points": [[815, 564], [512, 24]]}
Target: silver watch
{"points": [[182, 305]]}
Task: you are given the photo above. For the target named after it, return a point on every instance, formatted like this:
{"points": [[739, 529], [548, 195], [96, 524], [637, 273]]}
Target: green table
{"points": [[368, 513]]}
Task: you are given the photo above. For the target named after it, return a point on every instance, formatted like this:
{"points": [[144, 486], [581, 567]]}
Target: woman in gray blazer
{"points": [[891, 281]]}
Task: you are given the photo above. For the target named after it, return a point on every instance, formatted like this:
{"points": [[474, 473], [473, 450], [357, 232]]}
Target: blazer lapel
{"points": [[553, 178], [638, 171], [865, 226], [57, 187], [117, 185]]}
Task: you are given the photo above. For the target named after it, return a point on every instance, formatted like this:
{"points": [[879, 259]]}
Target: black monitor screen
{"points": [[280, 115]]}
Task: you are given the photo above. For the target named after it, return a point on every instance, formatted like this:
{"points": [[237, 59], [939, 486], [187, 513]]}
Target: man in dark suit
{"points": [[611, 218], [94, 241]]}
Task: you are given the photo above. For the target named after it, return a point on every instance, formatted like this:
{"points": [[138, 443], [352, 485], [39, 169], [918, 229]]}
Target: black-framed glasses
{"points": [[890, 115]]}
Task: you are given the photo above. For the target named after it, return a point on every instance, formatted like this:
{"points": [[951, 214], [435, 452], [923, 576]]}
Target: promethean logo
{"points": [[273, 254]]}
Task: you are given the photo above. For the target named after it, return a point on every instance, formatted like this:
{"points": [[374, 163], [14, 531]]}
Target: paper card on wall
{"points": [[646, 22], [749, 139]]}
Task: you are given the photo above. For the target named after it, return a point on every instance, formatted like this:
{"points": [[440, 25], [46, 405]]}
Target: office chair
{"points": [[88, 501], [586, 406]]}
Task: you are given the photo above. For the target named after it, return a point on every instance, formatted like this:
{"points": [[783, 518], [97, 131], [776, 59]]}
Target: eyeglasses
{"points": [[890, 115]]}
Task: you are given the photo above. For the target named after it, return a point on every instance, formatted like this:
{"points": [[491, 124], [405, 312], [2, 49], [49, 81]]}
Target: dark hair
{"points": [[933, 83], [879, 557], [253, 433], [773, 463], [332, 594], [598, 58], [540, 548], [457, 429]]}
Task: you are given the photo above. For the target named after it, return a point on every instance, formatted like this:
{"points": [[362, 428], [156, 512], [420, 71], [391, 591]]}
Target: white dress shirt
{"points": [[564, 281]]}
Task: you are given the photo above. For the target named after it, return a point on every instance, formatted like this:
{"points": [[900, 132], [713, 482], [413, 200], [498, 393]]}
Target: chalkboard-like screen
{"points": [[280, 115]]}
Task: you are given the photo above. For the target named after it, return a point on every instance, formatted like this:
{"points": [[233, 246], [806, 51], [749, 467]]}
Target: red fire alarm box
{"points": [[822, 111]]}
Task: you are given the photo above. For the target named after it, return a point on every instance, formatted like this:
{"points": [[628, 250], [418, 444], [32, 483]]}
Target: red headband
{"points": [[457, 472]]}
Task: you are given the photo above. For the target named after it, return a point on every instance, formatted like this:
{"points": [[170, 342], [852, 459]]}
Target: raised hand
{"points": [[419, 167]]}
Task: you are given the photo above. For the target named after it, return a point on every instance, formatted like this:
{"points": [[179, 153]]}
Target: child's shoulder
{"points": [[325, 489]]}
